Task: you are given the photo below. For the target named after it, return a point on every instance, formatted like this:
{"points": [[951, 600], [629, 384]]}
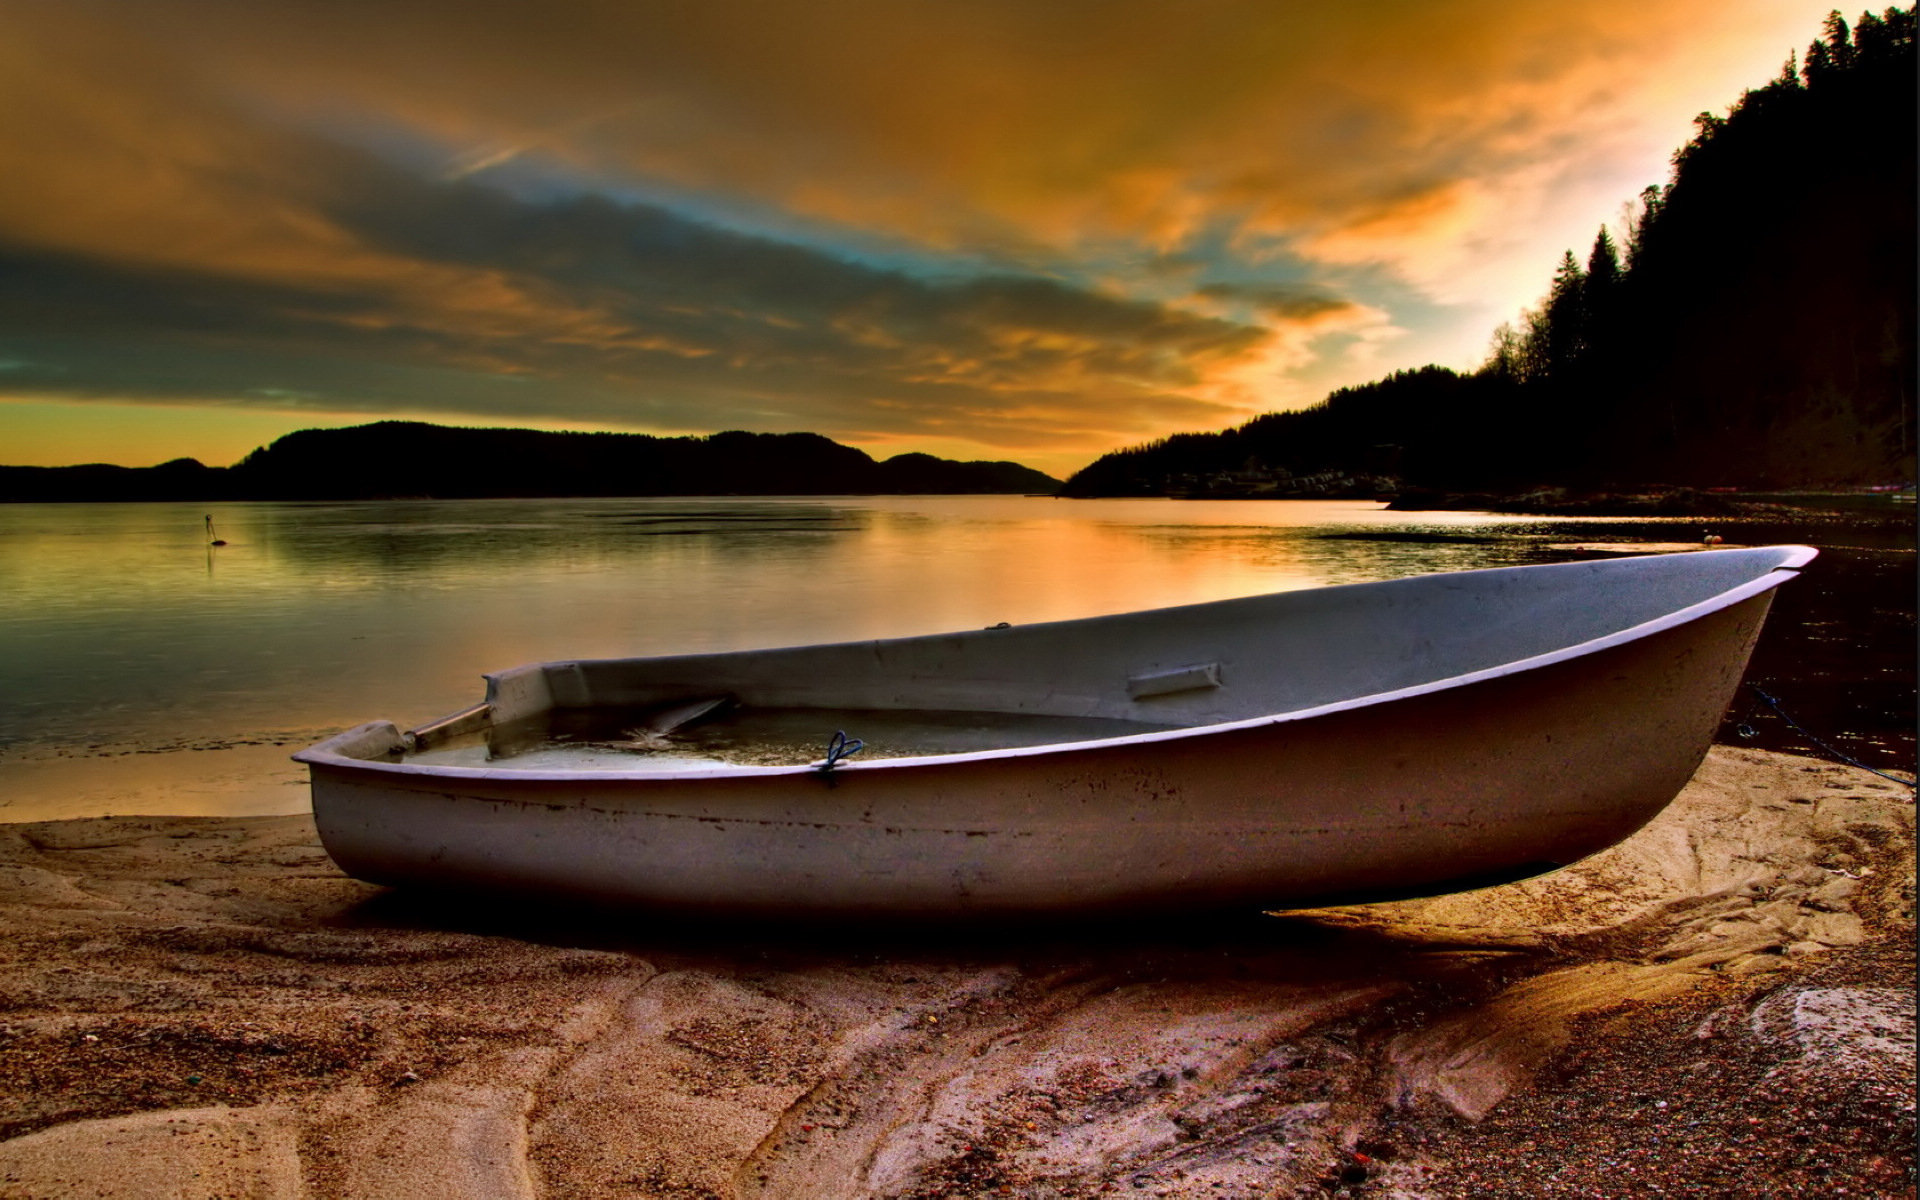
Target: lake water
{"points": [[144, 671]]}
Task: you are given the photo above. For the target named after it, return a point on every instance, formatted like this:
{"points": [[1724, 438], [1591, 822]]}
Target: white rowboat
{"points": [[1388, 739]]}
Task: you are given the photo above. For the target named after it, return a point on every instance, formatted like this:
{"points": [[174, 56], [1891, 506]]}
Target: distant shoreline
{"points": [[1889, 505], [1886, 505], [391, 460]]}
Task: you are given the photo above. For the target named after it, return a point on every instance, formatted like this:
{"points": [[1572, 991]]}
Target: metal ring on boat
{"points": [[839, 747]]}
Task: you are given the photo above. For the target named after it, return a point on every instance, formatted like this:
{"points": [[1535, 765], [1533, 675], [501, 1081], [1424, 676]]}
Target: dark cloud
{"points": [[657, 271], [1299, 303]]}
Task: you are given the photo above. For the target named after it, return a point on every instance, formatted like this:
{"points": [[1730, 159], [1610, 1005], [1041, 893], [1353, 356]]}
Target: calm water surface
{"points": [[143, 671]]}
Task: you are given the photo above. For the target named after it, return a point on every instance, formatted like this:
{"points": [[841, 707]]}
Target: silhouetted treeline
{"points": [[1754, 328], [181, 479], [406, 459], [1357, 441]]}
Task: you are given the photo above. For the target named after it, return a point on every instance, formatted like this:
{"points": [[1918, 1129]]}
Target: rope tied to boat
{"points": [[840, 747], [1843, 756]]}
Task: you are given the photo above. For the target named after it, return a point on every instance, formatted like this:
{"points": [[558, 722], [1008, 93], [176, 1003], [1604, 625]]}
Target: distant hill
{"points": [[1755, 328], [407, 459]]}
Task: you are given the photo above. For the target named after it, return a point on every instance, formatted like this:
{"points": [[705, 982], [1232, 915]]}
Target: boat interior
{"points": [[1074, 681]]}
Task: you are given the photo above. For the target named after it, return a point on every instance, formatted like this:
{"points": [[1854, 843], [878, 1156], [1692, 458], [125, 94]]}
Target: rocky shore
{"points": [[1722, 1005]]}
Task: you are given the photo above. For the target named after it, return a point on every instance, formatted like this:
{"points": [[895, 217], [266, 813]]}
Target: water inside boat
{"points": [[646, 739]]}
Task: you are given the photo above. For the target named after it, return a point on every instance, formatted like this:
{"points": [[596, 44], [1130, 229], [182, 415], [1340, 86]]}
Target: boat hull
{"points": [[1482, 781]]}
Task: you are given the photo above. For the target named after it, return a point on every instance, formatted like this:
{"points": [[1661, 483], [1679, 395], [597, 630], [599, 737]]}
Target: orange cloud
{"points": [[1044, 123]]}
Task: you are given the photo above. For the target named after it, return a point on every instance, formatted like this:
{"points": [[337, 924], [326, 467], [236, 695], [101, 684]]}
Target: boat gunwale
{"points": [[1796, 557]]}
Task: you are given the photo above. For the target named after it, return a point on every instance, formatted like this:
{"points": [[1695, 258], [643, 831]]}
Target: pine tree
{"points": [[1819, 65], [1603, 270], [1789, 78], [1566, 318], [1642, 214], [1839, 40], [1834, 54]]}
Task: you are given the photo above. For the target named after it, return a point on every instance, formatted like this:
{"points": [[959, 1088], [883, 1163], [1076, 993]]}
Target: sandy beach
{"points": [[1723, 1005]]}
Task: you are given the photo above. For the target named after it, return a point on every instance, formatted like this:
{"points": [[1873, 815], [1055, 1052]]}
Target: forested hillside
{"points": [[1755, 327]]}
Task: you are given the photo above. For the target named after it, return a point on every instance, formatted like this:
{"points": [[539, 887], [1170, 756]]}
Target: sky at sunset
{"points": [[1008, 229]]}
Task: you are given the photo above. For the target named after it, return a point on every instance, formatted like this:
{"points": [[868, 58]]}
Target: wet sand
{"points": [[1722, 1005]]}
